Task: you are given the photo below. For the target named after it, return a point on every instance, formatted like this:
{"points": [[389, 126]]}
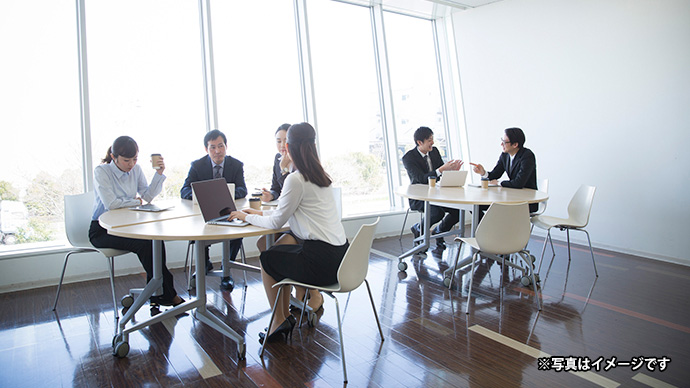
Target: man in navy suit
{"points": [[516, 160], [217, 165], [422, 162]]}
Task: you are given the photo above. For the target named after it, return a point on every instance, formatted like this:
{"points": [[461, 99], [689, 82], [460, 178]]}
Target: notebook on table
{"points": [[215, 202], [480, 185], [149, 207], [453, 178]]}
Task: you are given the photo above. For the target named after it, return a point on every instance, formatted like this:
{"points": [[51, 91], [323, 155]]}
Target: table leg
{"points": [[153, 287], [226, 258], [201, 312], [158, 265], [475, 219]]}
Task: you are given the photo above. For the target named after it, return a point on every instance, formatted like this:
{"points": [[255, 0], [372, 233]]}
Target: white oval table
{"points": [[182, 222], [459, 197]]}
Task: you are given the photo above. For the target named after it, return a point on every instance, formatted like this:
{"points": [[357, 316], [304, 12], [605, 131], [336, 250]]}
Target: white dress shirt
{"points": [[310, 209], [116, 188]]}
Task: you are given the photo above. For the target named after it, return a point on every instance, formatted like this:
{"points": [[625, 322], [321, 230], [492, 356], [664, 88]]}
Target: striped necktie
{"points": [[216, 173]]}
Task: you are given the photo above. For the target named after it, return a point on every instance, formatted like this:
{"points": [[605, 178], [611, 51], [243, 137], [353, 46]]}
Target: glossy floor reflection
{"points": [[636, 308]]}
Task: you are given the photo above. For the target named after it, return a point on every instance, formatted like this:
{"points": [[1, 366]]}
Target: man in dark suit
{"points": [[516, 160], [422, 162], [217, 165]]}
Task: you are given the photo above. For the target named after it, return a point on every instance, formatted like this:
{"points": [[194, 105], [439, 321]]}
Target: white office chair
{"points": [[543, 186], [78, 210], [578, 217], [352, 272], [504, 230]]}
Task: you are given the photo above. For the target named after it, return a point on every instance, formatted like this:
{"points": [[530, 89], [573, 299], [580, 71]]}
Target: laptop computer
{"points": [[215, 202], [453, 178], [149, 207], [231, 189]]}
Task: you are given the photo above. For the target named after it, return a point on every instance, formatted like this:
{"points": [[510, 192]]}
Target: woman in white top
{"points": [[307, 202], [120, 182]]}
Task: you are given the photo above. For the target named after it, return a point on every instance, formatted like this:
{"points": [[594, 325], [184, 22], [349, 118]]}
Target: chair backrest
{"points": [[581, 205], [504, 229], [543, 186], [355, 264], [78, 210]]}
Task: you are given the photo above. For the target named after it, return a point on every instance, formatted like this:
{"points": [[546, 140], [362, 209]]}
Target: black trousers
{"points": [[235, 246], [144, 250], [437, 213]]}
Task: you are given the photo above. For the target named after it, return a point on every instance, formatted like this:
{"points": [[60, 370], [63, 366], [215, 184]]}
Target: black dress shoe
{"points": [[227, 284], [415, 230], [440, 244], [209, 266], [281, 333]]}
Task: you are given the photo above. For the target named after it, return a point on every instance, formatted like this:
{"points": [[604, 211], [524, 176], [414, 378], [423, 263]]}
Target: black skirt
{"points": [[313, 262]]}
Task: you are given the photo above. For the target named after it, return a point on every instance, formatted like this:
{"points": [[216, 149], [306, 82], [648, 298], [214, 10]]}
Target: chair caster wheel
{"points": [[116, 338], [124, 310], [446, 282], [526, 281], [402, 266], [121, 349], [127, 301], [155, 310], [241, 351]]}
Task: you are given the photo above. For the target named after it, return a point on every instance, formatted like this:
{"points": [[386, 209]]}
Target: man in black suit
{"points": [[422, 162], [217, 165], [519, 162]]}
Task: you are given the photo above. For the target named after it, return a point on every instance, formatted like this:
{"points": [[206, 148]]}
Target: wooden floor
{"points": [[634, 319]]}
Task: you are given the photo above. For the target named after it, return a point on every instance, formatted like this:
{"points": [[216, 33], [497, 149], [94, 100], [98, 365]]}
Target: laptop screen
{"points": [[214, 198]]}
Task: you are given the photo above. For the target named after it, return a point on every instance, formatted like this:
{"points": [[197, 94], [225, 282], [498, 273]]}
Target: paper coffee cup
{"points": [[154, 161], [255, 203], [432, 181], [485, 183]]}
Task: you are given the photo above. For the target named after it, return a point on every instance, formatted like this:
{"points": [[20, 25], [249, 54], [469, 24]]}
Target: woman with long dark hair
{"points": [[307, 202], [119, 182]]}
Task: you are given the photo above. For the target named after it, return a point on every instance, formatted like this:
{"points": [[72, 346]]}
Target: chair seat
{"points": [[332, 288], [548, 222], [110, 252], [471, 241]]}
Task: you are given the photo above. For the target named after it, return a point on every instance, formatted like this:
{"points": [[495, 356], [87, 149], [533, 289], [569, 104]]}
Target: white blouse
{"points": [[310, 209]]}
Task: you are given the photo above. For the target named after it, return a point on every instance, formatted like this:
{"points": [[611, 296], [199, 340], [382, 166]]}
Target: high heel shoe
{"points": [[317, 309], [281, 333]]}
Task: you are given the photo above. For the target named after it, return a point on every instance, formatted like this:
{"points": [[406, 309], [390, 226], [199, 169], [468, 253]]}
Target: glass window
{"points": [[145, 79], [257, 80], [414, 79], [40, 151], [349, 126]]}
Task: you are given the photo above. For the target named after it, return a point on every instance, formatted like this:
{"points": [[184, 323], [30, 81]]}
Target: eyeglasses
{"points": [[503, 142]]}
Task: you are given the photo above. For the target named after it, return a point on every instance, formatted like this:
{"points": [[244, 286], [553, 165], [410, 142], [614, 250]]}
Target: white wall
{"points": [[602, 91]]}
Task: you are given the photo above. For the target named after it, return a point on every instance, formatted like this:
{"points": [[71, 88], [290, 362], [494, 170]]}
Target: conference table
{"points": [[459, 197], [182, 222]]}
